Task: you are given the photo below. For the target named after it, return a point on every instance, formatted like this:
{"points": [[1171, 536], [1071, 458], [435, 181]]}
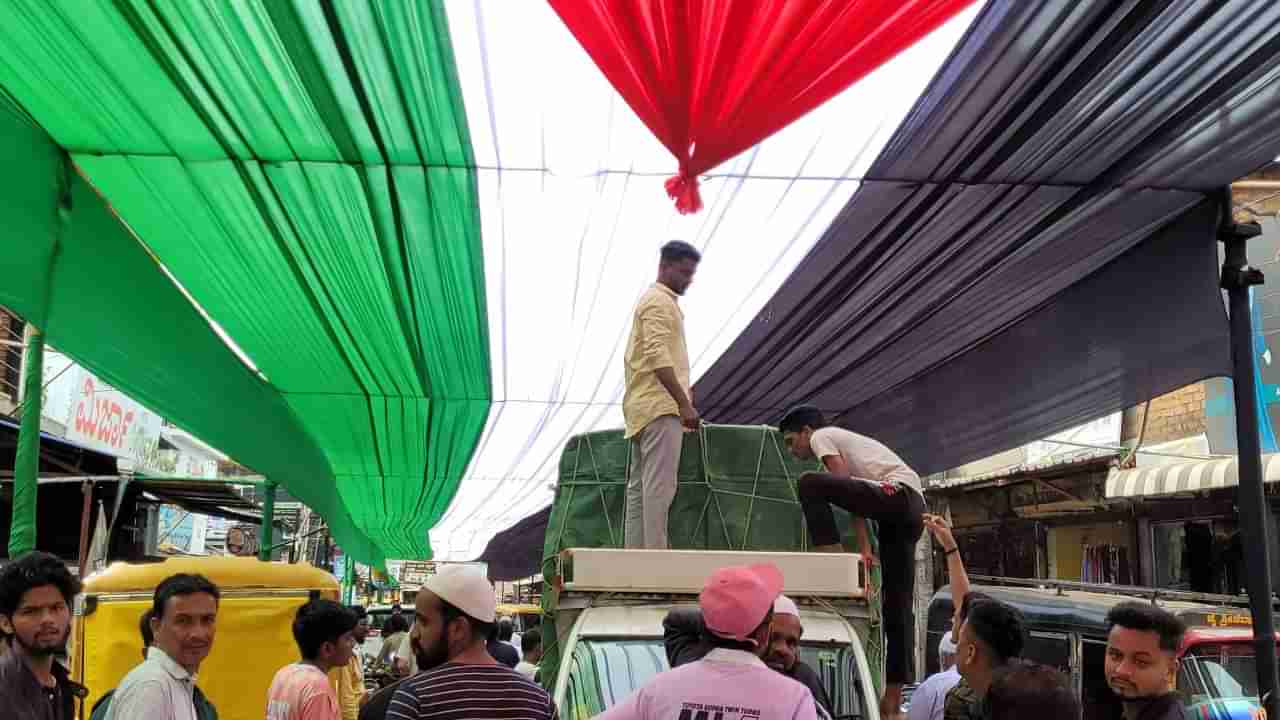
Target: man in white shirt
{"points": [[731, 682], [530, 653], [185, 614], [929, 699], [871, 482]]}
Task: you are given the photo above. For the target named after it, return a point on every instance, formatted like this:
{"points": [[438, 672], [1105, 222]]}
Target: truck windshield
{"points": [[604, 671], [1218, 671]]}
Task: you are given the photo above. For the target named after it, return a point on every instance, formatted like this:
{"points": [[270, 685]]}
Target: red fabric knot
{"points": [[722, 76], [683, 188]]}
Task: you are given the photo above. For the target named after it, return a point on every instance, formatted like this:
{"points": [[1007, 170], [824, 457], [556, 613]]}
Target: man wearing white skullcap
{"points": [[928, 700], [683, 637], [453, 620]]}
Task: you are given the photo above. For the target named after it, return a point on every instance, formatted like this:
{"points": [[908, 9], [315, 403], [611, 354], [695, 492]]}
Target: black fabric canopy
{"points": [[1034, 248], [516, 553]]}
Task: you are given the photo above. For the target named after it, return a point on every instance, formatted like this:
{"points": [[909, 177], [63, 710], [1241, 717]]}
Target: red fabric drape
{"points": [[711, 78]]}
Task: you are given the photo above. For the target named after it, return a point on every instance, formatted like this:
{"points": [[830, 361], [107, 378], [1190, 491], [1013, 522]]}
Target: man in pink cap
{"points": [[731, 682]]}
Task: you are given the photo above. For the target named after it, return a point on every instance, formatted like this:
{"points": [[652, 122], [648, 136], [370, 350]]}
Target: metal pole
{"points": [[268, 518], [1237, 278], [86, 509], [26, 465]]}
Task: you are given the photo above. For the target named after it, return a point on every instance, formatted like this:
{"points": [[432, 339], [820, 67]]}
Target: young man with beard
{"points": [[323, 630], [684, 636], [1142, 660], [36, 592], [657, 403], [184, 620], [458, 679], [731, 682]]}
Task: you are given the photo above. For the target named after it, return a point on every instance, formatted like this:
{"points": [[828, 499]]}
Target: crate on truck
{"points": [[736, 492]]}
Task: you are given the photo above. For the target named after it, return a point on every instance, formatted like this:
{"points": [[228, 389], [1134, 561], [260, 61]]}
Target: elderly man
{"points": [[928, 699], [731, 681], [684, 633]]}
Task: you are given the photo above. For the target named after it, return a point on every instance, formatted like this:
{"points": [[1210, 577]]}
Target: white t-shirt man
{"points": [[867, 459]]}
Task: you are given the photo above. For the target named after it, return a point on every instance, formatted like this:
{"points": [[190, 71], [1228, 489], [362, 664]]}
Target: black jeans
{"points": [[899, 518]]}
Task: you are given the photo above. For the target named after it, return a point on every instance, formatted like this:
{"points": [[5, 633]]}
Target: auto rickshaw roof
{"points": [[1048, 607], [225, 572], [518, 609]]}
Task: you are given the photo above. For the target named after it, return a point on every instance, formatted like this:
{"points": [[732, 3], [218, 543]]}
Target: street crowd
{"points": [[734, 656]]}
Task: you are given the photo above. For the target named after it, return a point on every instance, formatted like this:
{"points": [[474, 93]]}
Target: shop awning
{"points": [[1185, 477]]}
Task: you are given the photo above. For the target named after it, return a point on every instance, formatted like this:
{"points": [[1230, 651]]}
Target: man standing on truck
{"points": [[1142, 660], [731, 682], [658, 401], [683, 635], [870, 481]]}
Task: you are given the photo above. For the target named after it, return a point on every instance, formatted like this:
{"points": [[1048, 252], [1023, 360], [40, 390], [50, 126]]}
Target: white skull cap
{"points": [[785, 606]]}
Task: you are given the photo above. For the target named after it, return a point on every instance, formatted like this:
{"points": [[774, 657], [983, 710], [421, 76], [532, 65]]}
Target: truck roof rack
{"points": [[832, 575], [1148, 593]]}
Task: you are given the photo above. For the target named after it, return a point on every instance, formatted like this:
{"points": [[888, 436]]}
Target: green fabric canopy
{"points": [[304, 172]]}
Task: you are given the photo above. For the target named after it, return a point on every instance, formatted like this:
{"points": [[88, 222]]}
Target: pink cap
{"points": [[735, 600]]}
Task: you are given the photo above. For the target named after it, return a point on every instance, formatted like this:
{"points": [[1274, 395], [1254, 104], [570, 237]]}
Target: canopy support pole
{"points": [[26, 465], [268, 519], [86, 511], [1237, 279]]}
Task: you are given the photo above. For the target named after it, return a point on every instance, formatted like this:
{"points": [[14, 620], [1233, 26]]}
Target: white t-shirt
{"points": [[406, 653], [928, 699], [867, 459]]}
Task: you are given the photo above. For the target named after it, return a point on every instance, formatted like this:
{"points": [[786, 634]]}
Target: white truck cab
{"points": [[610, 612]]}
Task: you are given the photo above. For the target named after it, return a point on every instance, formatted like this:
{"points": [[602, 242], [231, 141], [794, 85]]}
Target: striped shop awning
{"points": [[1185, 477]]}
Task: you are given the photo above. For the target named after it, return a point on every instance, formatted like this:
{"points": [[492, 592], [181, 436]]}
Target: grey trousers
{"points": [[651, 482]]}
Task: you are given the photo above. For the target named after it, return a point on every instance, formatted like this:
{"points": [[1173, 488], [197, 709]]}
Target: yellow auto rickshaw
{"points": [[254, 635], [524, 616]]}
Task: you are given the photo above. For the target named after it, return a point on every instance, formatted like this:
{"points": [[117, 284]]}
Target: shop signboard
{"points": [[413, 573]]}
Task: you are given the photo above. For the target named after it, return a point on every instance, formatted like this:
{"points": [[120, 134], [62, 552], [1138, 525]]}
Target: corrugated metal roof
{"points": [[1057, 465]]}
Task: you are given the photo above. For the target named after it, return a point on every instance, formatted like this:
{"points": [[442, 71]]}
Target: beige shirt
{"points": [[158, 689], [657, 341], [867, 458]]}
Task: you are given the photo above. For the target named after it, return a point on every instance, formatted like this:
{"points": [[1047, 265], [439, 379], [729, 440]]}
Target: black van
{"points": [[1068, 630]]}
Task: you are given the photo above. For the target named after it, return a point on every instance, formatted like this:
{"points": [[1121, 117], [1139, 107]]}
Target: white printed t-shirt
{"points": [[726, 684], [867, 458]]}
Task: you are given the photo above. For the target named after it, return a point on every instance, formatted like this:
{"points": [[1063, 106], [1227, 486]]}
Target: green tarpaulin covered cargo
{"points": [[737, 491]]}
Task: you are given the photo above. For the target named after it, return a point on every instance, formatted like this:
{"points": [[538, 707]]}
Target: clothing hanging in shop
{"points": [[1105, 564]]}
